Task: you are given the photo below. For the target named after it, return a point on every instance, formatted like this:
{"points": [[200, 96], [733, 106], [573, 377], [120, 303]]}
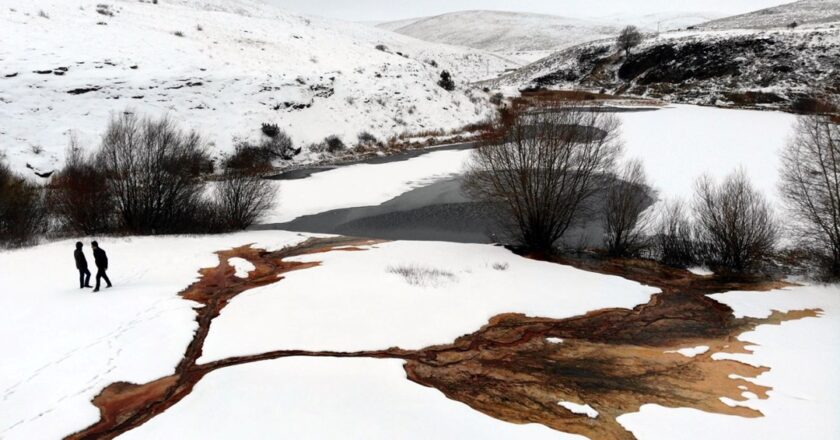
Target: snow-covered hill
{"points": [[800, 12], [742, 67], [663, 21], [518, 36], [222, 67]]}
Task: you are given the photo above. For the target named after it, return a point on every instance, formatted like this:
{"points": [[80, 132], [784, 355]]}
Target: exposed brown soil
{"points": [[614, 360]]}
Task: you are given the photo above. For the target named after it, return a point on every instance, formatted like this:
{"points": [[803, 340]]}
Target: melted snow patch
{"points": [[580, 409], [243, 267], [691, 352]]}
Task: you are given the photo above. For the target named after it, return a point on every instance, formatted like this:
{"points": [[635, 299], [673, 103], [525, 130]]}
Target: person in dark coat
{"points": [[81, 264], [101, 260]]}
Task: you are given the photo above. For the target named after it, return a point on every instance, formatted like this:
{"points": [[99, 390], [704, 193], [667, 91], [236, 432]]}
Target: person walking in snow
{"points": [[81, 264], [101, 260]]}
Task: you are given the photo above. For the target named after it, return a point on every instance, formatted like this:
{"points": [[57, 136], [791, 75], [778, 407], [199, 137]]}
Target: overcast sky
{"points": [[380, 10]]}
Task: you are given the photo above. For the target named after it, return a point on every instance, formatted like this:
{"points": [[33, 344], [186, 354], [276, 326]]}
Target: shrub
{"points": [[154, 172], [78, 196], [270, 130], [624, 221], [366, 139], [497, 99], [249, 158], [629, 38], [178, 34], [673, 238], [334, 144], [446, 82], [422, 276], [104, 9], [734, 223], [542, 169], [22, 214], [242, 199]]}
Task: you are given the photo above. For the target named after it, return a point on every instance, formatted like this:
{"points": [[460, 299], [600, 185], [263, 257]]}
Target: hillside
{"points": [[744, 68], [800, 12], [663, 21], [221, 67], [518, 36]]}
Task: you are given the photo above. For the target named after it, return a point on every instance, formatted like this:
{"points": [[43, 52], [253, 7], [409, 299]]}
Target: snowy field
{"points": [[61, 346], [354, 302], [327, 399]]}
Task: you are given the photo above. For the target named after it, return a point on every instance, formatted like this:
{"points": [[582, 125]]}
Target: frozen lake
{"points": [[419, 198]]}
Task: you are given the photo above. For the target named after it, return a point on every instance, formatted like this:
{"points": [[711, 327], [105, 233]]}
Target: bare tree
{"points": [[78, 195], [22, 214], [734, 222], [625, 222], [242, 199], [811, 186], [629, 38], [673, 235], [153, 171], [542, 168]]}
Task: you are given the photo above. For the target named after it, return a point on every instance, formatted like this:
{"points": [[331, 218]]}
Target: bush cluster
{"points": [[147, 177]]}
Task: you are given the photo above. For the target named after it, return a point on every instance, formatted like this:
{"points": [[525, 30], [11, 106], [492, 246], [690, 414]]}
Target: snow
{"points": [[680, 143], [328, 399], [692, 351], [242, 266], [62, 345], [701, 271], [804, 359], [522, 37], [580, 409], [554, 340], [248, 61], [371, 184], [352, 302], [801, 12]]}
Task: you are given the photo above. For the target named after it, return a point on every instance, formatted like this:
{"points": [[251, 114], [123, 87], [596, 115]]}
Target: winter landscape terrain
{"points": [[424, 325]]}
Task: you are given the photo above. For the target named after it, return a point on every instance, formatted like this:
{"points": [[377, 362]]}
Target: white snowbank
{"points": [[362, 184], [691, 351], [324, 398], [804, 357], [580, 409], [352, 302], [680, 143], [701, 271], [62, 345], [242, 266]]}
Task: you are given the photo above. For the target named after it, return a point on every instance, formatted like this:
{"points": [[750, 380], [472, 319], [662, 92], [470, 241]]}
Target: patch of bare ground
{"points": [[515, 368]]}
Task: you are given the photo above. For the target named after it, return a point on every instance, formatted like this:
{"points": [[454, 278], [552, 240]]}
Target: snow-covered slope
{"points": [[743, 67], [662, 21], [801, 12], [518, 36], [222, 67]]}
